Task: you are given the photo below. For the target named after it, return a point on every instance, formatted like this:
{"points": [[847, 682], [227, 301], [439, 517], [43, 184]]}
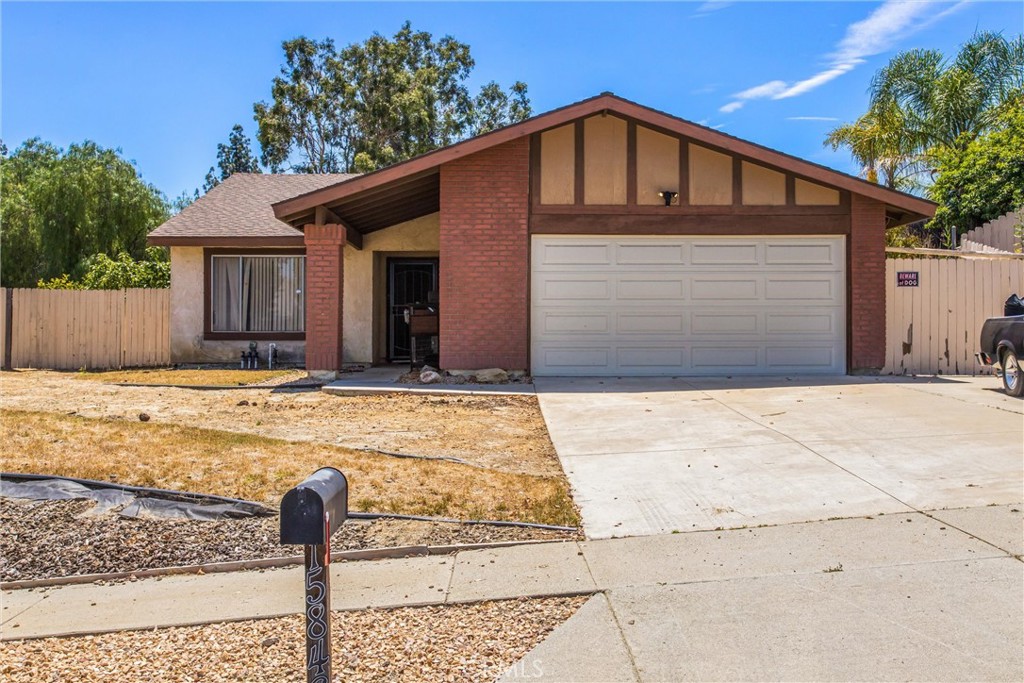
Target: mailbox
{"points": [[312, 511]]}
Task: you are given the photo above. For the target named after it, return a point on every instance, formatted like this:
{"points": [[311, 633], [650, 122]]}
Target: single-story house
{"points": [[602, 238]]}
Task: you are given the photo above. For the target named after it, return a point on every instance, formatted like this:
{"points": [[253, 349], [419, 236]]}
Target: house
{"points": [[602, 238]]}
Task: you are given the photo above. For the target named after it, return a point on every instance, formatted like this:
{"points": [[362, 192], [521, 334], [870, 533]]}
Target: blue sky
{"points": [[164, 82]]}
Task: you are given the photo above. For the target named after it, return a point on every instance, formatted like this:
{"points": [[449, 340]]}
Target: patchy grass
{"points": [[260, 468], [193, 378]]}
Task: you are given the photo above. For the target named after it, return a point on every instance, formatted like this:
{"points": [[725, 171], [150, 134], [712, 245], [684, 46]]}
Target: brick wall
{"points": [[867, 285], [485, 259], [324, 263]]}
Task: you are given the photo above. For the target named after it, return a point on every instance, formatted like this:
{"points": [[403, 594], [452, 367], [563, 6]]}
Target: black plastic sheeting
{"points": [[130, 501]]}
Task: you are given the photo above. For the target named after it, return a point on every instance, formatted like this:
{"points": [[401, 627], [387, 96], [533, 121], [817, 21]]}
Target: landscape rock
{"points": [[491, 375], [143, 417], [429, 377]]}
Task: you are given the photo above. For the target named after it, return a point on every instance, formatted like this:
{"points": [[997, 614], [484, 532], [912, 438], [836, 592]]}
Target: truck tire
{"points": [[1013, 381]]}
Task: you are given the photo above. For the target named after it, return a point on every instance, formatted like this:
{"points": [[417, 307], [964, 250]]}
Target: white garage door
{"points": [[687, 306]]}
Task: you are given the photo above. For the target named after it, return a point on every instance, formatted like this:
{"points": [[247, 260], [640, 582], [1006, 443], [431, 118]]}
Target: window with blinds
{"points": [[258, 294]]}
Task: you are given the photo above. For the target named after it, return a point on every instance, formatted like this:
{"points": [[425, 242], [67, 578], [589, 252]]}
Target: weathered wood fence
{"points": [[74, 329], [933, 327], [1002, 234]]}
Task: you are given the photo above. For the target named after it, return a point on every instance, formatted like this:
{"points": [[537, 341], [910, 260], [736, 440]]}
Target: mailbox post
{"points": [[310, 513]]}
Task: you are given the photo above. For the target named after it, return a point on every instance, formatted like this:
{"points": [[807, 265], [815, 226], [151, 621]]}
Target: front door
{"points": [[410, 281]]}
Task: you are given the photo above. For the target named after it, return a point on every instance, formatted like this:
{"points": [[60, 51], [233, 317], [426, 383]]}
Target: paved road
{"points": [[654, 456]]}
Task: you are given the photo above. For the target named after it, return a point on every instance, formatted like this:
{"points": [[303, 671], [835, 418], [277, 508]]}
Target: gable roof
{"points": [[296, 208], [238, 211]]}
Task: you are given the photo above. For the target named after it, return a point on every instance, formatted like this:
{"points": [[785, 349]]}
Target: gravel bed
{"points": [[50, 539], [454, 643]]}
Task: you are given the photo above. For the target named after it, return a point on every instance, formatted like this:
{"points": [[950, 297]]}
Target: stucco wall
{"points": [[416, 237], [187, 296]]}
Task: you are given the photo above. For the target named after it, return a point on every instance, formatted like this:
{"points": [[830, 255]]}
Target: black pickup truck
{"points": [[1002, 345]]}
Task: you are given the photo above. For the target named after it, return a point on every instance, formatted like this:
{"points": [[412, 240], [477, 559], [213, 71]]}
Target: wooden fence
{"points": [[1002, 234], [933, 328], [72, 329]]}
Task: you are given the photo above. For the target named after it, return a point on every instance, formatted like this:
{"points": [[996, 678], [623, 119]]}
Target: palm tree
{"points": [[922, 103]]}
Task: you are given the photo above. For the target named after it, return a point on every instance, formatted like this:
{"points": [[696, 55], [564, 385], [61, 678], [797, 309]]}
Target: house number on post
{"points": [[906, 278]]}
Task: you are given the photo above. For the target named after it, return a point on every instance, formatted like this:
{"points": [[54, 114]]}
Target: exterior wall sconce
{"points": [[668, 196]]}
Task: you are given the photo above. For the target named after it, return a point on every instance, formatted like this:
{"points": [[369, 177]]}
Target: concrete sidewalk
{"points": [[918, 596]]}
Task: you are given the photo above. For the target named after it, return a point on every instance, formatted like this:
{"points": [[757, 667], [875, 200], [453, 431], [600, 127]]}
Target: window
{"points": [[257, 294]]}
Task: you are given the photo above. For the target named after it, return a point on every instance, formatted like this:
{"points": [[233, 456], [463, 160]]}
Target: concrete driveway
{"points": [[651, 456]]}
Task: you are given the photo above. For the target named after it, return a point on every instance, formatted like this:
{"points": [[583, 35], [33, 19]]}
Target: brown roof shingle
{"points": [[241, 207]]}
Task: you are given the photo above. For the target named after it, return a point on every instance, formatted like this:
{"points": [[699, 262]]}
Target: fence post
{"points": [[8, 328]]}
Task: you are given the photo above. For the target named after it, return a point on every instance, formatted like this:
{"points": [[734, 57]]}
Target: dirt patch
{"points": [[455, 643], [258, 468], [78, 542], [195, 378], [505, 433]]}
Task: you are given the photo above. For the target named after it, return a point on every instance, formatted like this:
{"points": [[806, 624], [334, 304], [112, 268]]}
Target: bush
{"points": [[103, 272]]}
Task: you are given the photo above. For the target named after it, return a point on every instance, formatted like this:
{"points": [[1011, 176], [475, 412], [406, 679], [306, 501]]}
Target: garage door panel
{"points": [[576, 289], [725, 324], [579, 323], [802, 323], [707, 288], [649, 323], [632, 287], [788, 253], [724, 254], [790, 287], [687, 305]]}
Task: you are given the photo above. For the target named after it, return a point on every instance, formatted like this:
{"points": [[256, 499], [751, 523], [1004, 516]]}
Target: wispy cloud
{"points": [[711, 7], [811, 118], [873, 35]]}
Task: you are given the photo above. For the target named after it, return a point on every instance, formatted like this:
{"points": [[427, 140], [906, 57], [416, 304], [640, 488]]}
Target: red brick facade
{"points": [[324, 264], [866, 275], [485, 247]]}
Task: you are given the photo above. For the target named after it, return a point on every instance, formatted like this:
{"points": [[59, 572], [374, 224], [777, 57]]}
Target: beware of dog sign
{"points": [[906, 278]]}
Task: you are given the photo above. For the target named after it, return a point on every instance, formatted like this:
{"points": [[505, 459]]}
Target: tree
{"points": [[124, 272], [376, 103], [985, 179], [234, 157], [921, 103], [60, 207]]}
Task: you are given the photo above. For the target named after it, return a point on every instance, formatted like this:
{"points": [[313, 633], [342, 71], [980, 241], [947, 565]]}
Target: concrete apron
{"points": [[909, 596], [662, 455]]}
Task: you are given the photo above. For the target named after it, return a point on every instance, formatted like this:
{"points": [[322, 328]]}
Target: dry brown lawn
{"points": [[254, 467], [192, 378]]}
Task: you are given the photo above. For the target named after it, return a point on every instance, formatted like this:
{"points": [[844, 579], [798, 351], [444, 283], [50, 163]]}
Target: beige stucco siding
{"points": [[710, 177], [763, 186], [812, 194], [558, 165], [604, 160], [657, 166], [187, 309], [364, 276]]}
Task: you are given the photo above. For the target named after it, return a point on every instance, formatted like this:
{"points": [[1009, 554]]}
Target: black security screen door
{"points": [[410, 281]]}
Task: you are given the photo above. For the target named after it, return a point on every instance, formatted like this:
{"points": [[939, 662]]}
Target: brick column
{"points": [[867, 285], [324, 264], [485, 248]]}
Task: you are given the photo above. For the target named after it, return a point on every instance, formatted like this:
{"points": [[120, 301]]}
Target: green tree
{"points": [[60, 207], [233, 157], [124, 272], [881, 143], [376, 103], [984, 179]]}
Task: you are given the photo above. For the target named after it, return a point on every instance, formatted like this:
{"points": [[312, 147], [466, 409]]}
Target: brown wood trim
{"points": [[684, 172], [631, 162], [240, 241], [790, 190], [737, 181], [535, 179], [702, 210], [683, 224], [624, 109], [208, 333], [580, 187], [8, 328]]}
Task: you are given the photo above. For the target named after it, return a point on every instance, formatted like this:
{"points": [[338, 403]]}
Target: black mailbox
{"points": [[312, 511]]}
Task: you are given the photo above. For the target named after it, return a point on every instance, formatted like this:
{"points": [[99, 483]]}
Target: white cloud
{"points": [[711, 7], [811, 118], [893, 20]]}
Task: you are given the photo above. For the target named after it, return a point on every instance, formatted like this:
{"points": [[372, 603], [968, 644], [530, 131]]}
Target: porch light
{"points": [[668, 196]]}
